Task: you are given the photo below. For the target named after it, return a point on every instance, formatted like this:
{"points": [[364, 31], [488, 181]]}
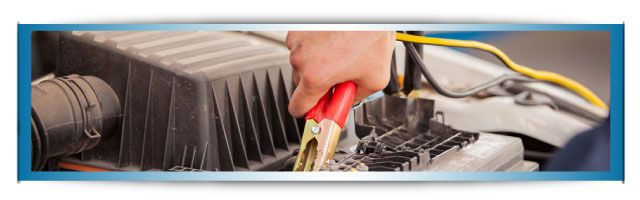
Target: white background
{"points": [[328, 11]]}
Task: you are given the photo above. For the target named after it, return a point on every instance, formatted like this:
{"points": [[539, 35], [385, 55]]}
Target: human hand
{"points": [[323, 59]]}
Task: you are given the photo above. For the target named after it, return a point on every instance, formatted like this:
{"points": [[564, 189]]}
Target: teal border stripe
{"points": [[616, 32]]}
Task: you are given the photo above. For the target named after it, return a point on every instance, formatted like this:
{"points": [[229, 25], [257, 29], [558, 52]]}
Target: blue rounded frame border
{"points": [[616, 173]]}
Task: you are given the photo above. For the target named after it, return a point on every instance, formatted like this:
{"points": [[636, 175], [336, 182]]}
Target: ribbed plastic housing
{"points": [[405, 136], [190, 100]]}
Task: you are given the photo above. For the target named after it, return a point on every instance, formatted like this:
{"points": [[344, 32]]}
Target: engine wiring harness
{"points": [[548, 76]]}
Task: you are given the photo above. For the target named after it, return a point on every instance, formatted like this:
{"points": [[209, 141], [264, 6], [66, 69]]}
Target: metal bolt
{"points": [[315, 129]]}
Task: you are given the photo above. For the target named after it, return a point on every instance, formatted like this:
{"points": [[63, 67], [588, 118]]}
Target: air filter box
{"points": [[190, 100]]}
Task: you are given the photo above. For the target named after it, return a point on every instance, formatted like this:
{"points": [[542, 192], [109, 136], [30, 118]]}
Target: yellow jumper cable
{"points": [[533, 73]]}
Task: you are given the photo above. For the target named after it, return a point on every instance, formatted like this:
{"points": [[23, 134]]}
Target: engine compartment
{"points": [[216, 101]]}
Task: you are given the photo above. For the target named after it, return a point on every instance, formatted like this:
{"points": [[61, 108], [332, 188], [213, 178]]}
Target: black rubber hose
{"points": [[70, 114]]}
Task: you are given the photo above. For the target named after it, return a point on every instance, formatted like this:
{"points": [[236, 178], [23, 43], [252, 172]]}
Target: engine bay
{"points": [[217, 101]]}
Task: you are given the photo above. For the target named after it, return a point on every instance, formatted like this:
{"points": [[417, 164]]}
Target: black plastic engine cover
{"points": [[190, 100]]}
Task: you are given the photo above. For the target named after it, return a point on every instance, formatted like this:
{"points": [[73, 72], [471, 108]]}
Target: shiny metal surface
{"points": [[317, 148]]}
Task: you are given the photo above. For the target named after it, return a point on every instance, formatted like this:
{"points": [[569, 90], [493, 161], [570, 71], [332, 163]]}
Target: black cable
{"points": [[412, 78], [393, 86], [411, 51]]}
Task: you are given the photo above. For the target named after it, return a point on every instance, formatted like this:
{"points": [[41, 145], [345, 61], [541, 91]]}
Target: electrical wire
{"points": [[413, 53], [535, 74]]}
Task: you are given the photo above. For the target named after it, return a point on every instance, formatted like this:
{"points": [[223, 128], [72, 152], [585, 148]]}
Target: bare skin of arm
{"points": [[324, 59]]}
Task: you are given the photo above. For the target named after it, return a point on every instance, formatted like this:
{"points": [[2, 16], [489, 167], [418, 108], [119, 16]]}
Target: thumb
{"points": [[304, 98]]}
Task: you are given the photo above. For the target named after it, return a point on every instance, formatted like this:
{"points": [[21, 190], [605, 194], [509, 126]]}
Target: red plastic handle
{"points": [[335, 105]]}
